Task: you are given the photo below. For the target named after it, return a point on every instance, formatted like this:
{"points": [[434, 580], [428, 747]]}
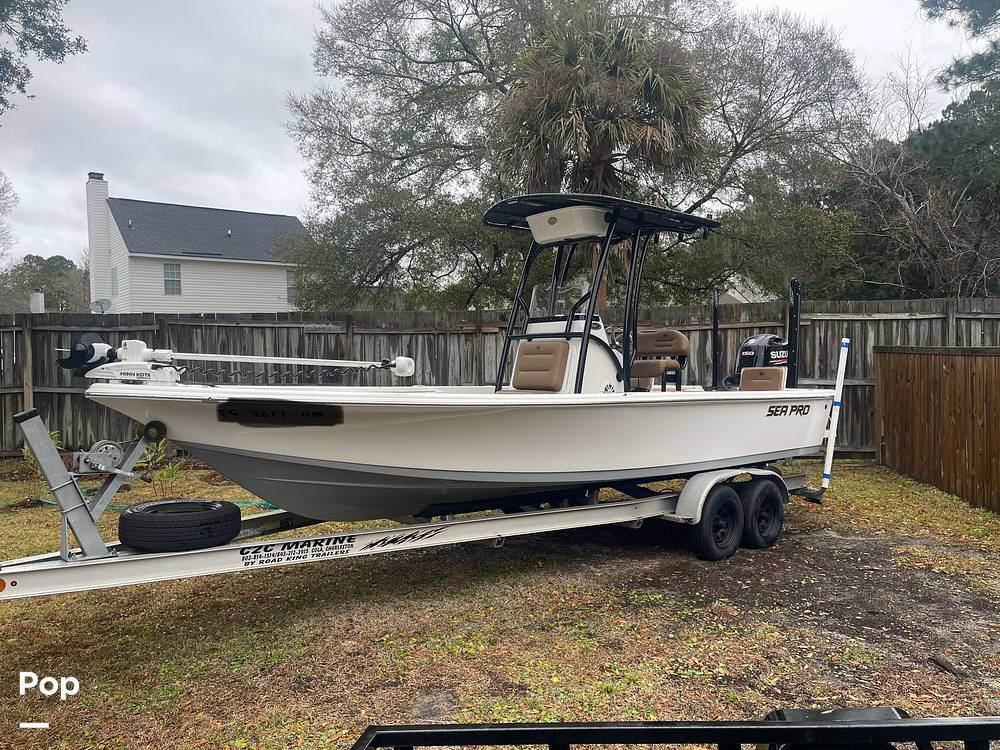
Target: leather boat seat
{"points": [[540, 365], [663, 342], [663, 354], [763, 378]]}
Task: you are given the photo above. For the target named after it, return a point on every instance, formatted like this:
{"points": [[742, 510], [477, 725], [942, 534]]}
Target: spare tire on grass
{"points": [[178, 525]]}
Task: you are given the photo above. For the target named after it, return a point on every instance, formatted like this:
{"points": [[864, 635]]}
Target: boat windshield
{"points": [[548, 302]]}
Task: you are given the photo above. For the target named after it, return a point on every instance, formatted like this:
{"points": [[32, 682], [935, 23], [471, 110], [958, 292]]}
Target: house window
{"points": [[290, 286], [172, 278], [114, 282]]}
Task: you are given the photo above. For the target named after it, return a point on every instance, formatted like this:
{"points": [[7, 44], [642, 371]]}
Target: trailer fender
{"points": [[692, 497]]}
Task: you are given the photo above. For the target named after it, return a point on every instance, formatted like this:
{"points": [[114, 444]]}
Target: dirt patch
{"points": [[435, 705], [851, 586], [215, 478], [26, 503], [20, 475]]}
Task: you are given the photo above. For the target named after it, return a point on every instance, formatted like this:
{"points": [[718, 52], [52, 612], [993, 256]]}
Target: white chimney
{"points": [[36, 302], [99, 236]]}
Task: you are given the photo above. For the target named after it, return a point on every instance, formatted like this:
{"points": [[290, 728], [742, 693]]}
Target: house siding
{"points": [[118, 254], [208, 286]]}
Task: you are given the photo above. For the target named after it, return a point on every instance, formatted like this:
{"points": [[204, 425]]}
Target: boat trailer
{"points": [[96, 564]]}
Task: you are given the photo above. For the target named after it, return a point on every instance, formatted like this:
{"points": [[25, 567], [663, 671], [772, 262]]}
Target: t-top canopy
{"points": [[632, 217]]}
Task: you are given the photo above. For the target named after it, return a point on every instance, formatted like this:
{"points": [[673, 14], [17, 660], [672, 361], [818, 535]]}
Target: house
{"points": [[164, 257]]}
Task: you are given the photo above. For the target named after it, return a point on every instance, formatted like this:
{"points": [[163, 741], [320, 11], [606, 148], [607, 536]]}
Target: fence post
{"points": [[27, 364], [349, 378], [950, 323], [480, 350], [161, 331], [349, 336]]}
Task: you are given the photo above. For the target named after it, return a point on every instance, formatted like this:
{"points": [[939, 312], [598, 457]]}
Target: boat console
{"points": [[560, 332]]}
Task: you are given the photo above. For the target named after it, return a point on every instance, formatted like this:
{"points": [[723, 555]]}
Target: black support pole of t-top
{"points": [[792, 335], [715, 339]]}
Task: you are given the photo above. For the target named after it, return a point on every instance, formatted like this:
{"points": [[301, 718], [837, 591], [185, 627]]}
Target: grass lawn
{"points": [[606, 624]]}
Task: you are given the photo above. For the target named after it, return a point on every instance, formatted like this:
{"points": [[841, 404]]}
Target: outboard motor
{"points": [[762, 350]]}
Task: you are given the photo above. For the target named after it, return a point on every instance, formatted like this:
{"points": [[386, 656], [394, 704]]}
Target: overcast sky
{"points": [[183, 102]]}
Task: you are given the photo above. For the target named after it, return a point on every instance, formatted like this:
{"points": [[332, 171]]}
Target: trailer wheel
{"points": [[720, 529], [178, 525], [763, 513]]}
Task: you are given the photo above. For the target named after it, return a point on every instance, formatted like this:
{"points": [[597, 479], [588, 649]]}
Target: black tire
{"points": [[155, 431], [178, 525], [718, 534], [763, 513]]}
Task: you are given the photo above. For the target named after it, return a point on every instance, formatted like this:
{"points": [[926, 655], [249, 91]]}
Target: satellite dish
{"points": [[100, 306]]}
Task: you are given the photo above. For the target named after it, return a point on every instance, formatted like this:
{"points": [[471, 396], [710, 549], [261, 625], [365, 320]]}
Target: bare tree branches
{"points": [[8, 202], [942, 234]]}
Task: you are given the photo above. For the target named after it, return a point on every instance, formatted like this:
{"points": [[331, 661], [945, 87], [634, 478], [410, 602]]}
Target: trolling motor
{"points": [[88, 351], [133, 361]]}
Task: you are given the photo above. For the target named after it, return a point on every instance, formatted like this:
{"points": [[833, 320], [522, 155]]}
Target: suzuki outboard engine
{"points": [[762, 350]]}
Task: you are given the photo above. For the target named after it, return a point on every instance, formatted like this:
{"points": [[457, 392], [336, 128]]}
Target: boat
{"points": [[574, 407]]}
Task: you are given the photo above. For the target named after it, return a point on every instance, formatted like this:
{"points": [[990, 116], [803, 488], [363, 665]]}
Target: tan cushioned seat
{"points": [[540, 365], [652, 368], [664, 342], [763, 379]]}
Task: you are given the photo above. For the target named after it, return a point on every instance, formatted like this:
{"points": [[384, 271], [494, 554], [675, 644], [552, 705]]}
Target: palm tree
{"points": [[602, 104], [599, 100]]}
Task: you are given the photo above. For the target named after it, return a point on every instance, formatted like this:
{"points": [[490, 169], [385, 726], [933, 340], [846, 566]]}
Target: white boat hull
{"points": [[400, 451]]}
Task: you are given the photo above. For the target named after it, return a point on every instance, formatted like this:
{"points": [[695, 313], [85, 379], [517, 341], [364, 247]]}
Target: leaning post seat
{"points": [[540, 366], [763, 378], [665, 352]]}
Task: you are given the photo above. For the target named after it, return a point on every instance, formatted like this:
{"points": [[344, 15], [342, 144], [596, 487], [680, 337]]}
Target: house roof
{"points": [[199, 232]]}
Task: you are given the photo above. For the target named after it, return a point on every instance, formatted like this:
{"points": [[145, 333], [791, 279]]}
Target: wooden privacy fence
{"points": [[938, 418], [457, 348]]}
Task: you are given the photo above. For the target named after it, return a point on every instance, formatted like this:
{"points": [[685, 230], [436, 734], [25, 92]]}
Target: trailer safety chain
{"points": [[285, 377]]}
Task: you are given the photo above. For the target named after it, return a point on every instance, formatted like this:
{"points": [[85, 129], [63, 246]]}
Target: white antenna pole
{"points": [[838, 394]]}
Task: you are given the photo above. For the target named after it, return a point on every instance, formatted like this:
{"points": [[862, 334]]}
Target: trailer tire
{"points": [[178, 525], [763, 513], [718, 533]]}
